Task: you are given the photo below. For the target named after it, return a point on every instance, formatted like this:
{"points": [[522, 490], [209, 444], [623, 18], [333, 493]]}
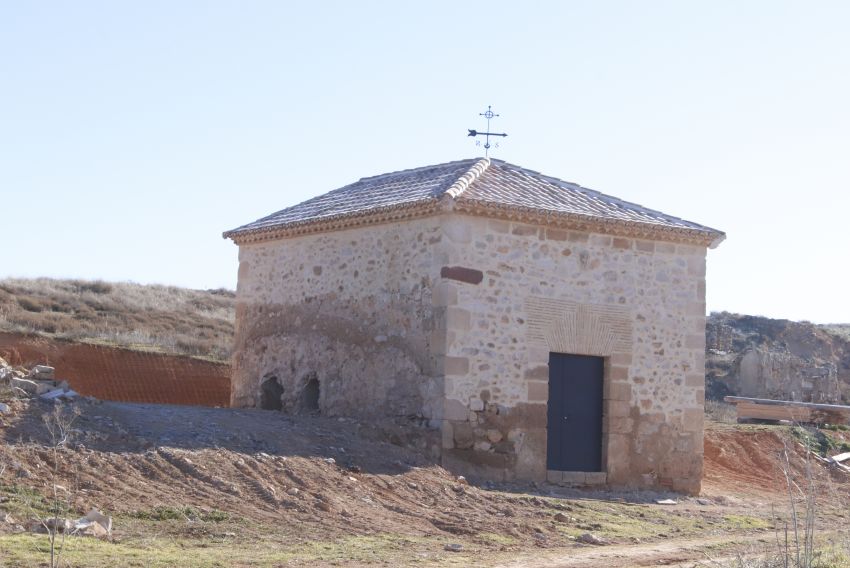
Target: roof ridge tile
{"points": [[413, 170], [468, 178]]}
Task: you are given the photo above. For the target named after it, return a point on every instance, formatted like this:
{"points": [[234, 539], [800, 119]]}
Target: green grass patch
{"points": [[819, 441], [179, 514], [496, 539], [25, 550], [23, 502], [745, 522]]}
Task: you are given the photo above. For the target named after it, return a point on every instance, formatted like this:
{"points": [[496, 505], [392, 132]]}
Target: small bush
{"points": [[30, 304], [95, 287], [720, 411]]}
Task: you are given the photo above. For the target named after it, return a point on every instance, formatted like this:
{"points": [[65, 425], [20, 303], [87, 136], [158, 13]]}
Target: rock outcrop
{"points": [[778, 359]]}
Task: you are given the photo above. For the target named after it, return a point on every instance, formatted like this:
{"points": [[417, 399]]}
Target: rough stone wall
{"points": [[514, 292], [350, 309]]}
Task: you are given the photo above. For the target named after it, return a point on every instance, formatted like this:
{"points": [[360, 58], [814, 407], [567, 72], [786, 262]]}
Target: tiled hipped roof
{"points": [[486, 187]]}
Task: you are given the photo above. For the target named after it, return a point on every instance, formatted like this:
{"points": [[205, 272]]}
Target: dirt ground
{"points": [[194, 486]]}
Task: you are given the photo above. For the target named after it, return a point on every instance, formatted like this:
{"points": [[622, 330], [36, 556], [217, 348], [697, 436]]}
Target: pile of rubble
{"points": [[39, 381], [94, 524]]}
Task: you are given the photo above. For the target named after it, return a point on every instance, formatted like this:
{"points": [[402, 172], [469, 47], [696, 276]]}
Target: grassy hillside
{"points": [[162, 318]]}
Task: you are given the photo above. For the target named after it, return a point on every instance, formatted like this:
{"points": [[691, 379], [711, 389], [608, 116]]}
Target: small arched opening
{"points": [[271, 392], [310, 395]]}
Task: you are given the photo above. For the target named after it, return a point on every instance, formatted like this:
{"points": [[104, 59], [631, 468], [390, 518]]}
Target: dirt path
{"points": [[680, 552]]}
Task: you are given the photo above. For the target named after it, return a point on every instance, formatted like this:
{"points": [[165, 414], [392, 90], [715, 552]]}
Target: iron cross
{"points": [[488, 115]]}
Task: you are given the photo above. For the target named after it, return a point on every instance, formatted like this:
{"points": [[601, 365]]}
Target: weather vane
{"points": [[488, 115]]}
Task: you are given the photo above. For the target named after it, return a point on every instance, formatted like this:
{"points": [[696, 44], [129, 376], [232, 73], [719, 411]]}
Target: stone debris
{"points": [[4, 408], [588, 538], [39, 381], [41, 373], [56, 394], [667, 502], [54, 524], [26, 386], [94, 524], [453, 547]]}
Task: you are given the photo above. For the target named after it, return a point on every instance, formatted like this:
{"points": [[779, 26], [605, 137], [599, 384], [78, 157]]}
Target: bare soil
{"points": [[128, 375], [257, 488]]}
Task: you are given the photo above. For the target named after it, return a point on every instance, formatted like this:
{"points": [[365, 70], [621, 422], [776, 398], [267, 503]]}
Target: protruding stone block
{"points": [[448, 441], [618, 391], [595, 478], [457, 319], [537, 373], [616, 408], [574, 477], [454, 410], [538, 392], [445, 294], [456, 365]]}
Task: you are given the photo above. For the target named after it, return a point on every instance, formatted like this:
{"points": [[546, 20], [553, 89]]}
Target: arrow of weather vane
{"points": [[488, 115]]}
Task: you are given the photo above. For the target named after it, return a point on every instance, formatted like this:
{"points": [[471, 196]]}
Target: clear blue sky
{"points": [[133, 133]]}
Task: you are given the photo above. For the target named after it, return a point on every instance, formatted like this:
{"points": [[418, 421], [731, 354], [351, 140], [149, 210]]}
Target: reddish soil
{"points": [[327, 479], [748, 461], [110, 373]]}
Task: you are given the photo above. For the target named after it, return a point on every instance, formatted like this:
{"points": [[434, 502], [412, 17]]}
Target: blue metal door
{"points": [[574, 421]]}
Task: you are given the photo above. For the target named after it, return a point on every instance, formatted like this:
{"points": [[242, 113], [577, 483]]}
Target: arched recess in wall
{"points": [[311, 393], [271, 393]]}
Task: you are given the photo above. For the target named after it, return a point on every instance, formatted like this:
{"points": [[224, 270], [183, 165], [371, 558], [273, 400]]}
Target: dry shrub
{"points": [[720, 411]]}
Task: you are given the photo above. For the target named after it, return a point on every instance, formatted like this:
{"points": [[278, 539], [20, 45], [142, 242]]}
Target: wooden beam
{"points": [[767, 409]]}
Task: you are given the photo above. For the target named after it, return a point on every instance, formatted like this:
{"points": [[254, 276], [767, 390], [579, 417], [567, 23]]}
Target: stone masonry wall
{"points": [[351, 310], [514, 292]]}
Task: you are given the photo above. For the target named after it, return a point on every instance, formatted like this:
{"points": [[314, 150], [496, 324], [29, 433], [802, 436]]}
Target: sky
{"points": [[133, 133]]}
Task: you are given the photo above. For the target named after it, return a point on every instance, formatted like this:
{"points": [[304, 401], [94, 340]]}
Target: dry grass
{"points": [[841, 330], [167, 318], [720, 411]]}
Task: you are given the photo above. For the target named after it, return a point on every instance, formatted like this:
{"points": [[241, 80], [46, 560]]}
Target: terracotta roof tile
{"points": [[491, 183]]}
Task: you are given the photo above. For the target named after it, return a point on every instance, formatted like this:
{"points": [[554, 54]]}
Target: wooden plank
{"points": [[841, 457], [772, 402], [766, 409], [749, 410]]}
